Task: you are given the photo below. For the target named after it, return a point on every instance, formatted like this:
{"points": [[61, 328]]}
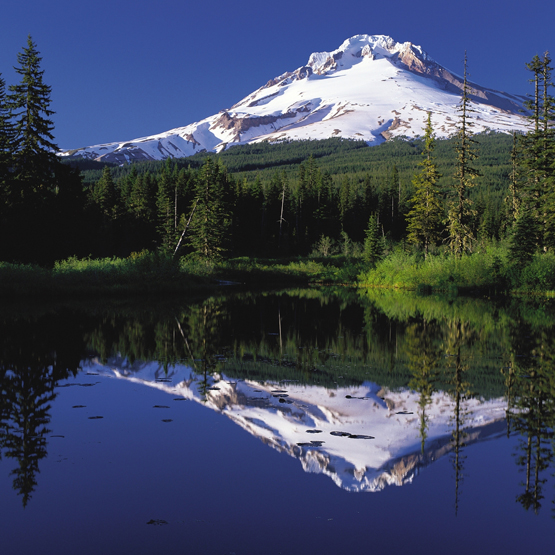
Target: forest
{"points": [[418, 200]]}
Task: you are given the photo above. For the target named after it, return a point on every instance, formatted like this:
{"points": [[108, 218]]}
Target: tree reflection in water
{"points": [[531, 410], [306, 337], [32, 361]]}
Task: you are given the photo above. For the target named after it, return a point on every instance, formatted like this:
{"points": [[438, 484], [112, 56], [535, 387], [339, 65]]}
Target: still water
{"points": [[287, 422]]}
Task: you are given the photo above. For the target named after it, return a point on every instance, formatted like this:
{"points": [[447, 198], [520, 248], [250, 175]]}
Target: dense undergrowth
{"points": [[487, 272], [158, 274]]}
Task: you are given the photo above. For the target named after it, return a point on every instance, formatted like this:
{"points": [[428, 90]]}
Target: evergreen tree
{"points": [[537, 154], [166, 209], [34, 152], [460, 207], [210, 221], [106, 195], [424, 219], [524, 239], [6, 139], [373, 247]]}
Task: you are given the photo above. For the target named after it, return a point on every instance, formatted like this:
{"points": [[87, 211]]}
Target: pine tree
{"points": [[373, 247], [424, 219], [34, 152], [6, 139], [460, 207], [537, 154], [106, 195], [210, 222], [524, 239]]}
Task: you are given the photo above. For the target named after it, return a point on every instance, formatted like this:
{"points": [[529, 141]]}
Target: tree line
{"points": [[284, 199]]}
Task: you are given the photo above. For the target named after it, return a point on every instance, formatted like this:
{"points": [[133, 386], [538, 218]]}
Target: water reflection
{"points": [[30, 368], [364, 437], [365, 389]]}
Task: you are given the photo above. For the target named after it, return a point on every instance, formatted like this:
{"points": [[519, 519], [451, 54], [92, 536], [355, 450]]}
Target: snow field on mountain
{"points": [[363, 90]]}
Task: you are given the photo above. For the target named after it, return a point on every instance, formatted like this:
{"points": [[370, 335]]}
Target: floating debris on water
{"points": [[351, 436]]}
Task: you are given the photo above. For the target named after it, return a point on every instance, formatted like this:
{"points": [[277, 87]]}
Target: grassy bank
{"points": [[149, 273], [488, 271]]}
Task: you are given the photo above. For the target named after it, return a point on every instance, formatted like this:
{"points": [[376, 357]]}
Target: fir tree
{"points": [[34, 152], [106, 195], [373, 247], [524, 239], [210, 221], [537, 154], [424, 219], [6, 140], [460, 207]]}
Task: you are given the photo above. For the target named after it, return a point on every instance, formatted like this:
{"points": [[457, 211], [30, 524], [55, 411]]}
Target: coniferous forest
{"points": [[406, 203]]}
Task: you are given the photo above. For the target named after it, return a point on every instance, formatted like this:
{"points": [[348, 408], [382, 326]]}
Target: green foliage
{"points": [[460, 209], [33, 149], [373, 245], [439, 272], [424, 219], [210, 222]]}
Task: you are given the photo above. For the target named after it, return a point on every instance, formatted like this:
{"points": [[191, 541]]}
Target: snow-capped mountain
{"points": [[370, 88], [363, 437]]}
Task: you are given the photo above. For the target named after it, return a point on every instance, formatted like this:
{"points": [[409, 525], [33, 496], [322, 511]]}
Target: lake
{"points": [[297, 421]]}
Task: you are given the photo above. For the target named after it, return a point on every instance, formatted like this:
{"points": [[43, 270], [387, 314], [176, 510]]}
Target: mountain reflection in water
{"points": [[364, 437], [364, 388]]}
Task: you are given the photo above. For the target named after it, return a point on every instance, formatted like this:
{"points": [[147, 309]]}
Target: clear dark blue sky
{"points": [[123, 69]]}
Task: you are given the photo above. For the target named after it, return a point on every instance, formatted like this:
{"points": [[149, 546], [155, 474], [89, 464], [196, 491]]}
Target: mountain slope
{"points": [[370, 88]]}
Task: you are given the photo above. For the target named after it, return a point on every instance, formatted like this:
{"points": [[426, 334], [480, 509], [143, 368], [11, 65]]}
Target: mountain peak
{"points": [[365, 46], [371, 88]]}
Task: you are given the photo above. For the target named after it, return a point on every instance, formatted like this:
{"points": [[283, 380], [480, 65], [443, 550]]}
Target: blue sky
{"points": [[123, 69]]}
